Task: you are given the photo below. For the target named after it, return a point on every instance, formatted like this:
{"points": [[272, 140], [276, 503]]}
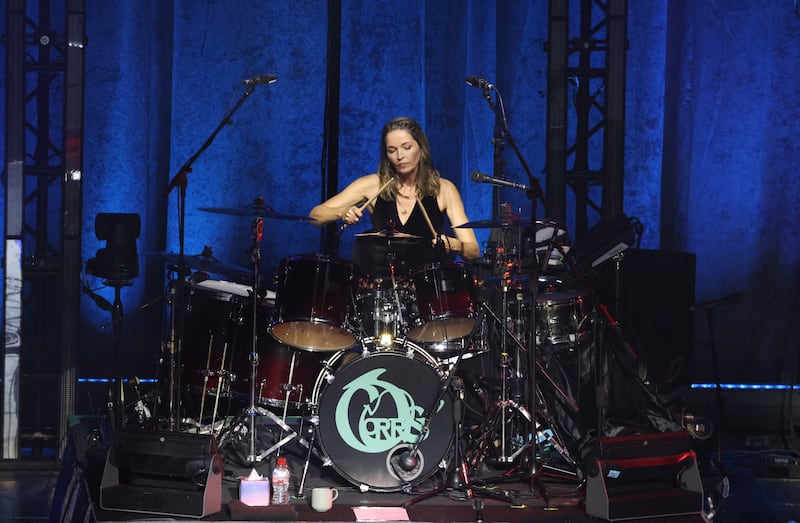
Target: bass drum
{"points": [[372, 410]]}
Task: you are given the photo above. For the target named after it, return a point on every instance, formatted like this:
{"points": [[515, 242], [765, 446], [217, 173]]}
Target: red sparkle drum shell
{"points": [[444, 295], [314, 299], [283, 374]]}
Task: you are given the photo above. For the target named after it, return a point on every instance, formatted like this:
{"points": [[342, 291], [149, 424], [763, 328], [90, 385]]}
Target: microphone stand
{"points": [[174, 344], [534, 194]]}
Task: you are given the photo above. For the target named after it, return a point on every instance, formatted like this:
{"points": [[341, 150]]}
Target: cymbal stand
{"points": [[499, 410]]}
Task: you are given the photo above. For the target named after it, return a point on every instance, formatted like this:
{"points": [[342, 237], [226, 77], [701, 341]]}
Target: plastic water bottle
{"points": [[280, 482]]}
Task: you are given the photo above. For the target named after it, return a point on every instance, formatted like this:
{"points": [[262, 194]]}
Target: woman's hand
{"points": [[352, 215]]}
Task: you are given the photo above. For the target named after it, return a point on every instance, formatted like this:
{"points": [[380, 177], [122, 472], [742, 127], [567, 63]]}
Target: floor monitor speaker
{"points": [[166, 473], [642, 476]]}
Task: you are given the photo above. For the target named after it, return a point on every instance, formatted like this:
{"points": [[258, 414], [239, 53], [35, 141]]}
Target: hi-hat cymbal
{"points": [[256, 211], [388, 235], [201, 262]]}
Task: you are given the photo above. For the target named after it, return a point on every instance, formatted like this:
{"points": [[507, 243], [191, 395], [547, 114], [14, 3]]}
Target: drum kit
{"points": [[394, 378]]}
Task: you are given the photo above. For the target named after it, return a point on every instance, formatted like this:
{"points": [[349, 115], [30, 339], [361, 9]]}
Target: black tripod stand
{"points": [[456, 478], [117, 263]]}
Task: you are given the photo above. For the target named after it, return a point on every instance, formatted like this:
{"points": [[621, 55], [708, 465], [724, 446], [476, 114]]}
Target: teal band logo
{"points": [[375, 434]]}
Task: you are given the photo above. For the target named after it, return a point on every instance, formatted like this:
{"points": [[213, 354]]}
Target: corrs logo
{"points": [[371, 433]]}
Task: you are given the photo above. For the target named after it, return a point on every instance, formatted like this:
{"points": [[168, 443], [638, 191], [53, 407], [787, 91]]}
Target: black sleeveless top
{"points": [[373, 256]]}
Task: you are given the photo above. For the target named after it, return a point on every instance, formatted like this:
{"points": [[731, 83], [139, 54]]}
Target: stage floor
{"points": [[762, 485]]}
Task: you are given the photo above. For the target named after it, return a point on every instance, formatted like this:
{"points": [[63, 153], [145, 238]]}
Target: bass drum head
{"points": [[372, 411]]}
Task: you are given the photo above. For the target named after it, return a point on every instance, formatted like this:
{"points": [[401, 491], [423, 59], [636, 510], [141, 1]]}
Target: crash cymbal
{"points": [[256, 211], [201, 262], [388, 235], [495, 223]]}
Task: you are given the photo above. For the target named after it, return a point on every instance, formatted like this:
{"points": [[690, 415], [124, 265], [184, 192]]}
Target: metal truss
{"points": [[586, 109], [43, 172]]}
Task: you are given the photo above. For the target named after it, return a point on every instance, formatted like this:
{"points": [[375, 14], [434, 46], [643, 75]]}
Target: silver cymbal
{"points": [[388, 235], [256, 211], [495, 223]]}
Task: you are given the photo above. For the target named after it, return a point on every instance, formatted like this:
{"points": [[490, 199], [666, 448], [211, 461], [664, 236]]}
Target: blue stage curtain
{"points": [[711, 135]]}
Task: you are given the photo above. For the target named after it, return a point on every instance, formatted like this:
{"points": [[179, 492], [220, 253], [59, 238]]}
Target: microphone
{"points": [[480, 177], [408, 461], [261, 79], [479, 82], [710, 304]]}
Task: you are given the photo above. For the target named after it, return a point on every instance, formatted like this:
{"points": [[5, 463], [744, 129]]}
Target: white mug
{"points": [[322, 498]]}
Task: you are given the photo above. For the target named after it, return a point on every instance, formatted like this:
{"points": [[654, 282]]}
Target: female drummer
{"points": [[407, 196]]}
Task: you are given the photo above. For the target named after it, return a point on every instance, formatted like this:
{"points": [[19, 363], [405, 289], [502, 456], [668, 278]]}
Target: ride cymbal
{"points": [[495, 223], [256, 211]]}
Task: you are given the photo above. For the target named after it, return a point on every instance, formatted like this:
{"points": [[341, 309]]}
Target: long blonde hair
{"points": [[427, 175]]}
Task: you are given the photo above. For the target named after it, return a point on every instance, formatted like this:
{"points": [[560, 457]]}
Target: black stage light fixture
{"points": [[118, 260]]}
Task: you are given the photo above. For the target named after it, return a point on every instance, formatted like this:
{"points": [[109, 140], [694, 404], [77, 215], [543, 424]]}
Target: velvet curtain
{"points": [[711, 136]]}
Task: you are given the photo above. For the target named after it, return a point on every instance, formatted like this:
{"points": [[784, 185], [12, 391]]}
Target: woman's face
{"points": [[402, 151]]}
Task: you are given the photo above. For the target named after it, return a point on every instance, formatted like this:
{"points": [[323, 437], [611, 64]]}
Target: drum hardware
{"points": [[386, 315], [221, 374], [460, 475], [508, 423], [285, 429], [238, 431], [382, 313], [506, 373]]}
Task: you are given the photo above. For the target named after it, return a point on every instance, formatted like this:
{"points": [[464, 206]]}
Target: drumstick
{"points": [[368, 202], [372, 200], [427, 218]]}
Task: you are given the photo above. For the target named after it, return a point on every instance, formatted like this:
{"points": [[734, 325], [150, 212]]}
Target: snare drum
{"points": [[444, 294], [313, 301], [563, 317], [372, 409]]}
